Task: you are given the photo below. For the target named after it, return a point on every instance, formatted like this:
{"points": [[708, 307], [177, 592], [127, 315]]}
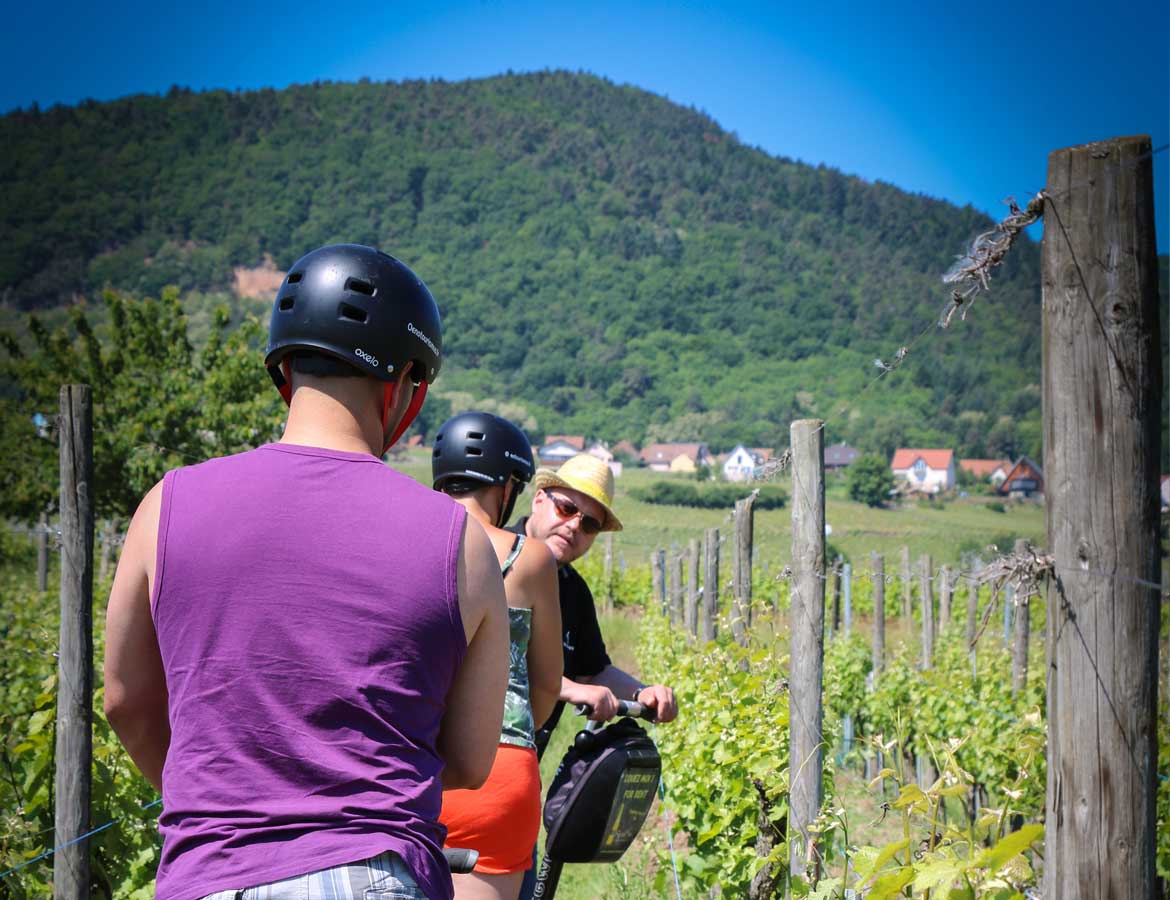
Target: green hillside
{"points": [[609, 261]]}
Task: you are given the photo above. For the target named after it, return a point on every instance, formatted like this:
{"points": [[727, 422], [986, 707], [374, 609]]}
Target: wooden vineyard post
{"points": [[846, 599], [1102, 396], [807, 643], [694, 588], [878, 564], [835, 607], [711, 585], [741, 612], [658, 579], [43, 553], [927, 612], [609, 571], [907, 610], [75, 647], [676, 589], [946, 587], [972, 622], [1021, 633]]}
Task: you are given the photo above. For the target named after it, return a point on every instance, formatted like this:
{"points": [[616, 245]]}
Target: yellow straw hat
{"points": [[587, 474]]}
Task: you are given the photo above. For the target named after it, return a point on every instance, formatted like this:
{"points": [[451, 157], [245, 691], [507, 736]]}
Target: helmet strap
{"points": [[416, 403], [508, 507], [286, 388]]}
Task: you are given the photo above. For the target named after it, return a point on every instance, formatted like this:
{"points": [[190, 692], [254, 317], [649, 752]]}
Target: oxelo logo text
{"points": [[372, 360]]}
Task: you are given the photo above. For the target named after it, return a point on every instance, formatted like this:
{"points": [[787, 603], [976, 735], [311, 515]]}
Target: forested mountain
{"points": [[609, 261]]}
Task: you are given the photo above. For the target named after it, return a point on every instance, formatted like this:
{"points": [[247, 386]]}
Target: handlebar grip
{"points": [[629, 708], [461, 860]]}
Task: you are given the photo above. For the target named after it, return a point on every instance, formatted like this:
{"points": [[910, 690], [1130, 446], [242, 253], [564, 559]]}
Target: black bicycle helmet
{"points": [[481, 447], [363, 307]]}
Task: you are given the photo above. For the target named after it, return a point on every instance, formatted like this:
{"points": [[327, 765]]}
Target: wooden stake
{"points": [[878, 564], [43, 553], [75, 646], [1022, 631], [658, 579], [676, 589], [694, 587], [807, 645], [711, 586], [1102, 396], [927, 612], [907, 610]]}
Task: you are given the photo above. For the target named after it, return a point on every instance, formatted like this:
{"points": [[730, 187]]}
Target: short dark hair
{"points": [[322, 365]]}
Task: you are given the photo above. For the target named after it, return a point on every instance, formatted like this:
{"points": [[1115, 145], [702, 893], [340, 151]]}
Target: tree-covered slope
{"points": [[613, 262]]}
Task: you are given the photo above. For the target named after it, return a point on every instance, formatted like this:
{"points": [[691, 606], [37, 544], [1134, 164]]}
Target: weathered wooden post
{"points": [[658, 579], [608, 571], [1023, 627], [927, 612], [946, 588], [711, 585], [676, 589], [835, 606], [43, 553], [807, 644], [878, 564], [75, 647], [694, 588], [846, 599], [1102, 396], [745, 513], [109, 545], [972, 622], [907, 609]]}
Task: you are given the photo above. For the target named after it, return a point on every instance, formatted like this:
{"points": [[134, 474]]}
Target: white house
{"points": [[558, 448], [925, 471], [741, 464]]}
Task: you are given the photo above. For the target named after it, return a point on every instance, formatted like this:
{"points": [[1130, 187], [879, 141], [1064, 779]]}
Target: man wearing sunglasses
{"points": [[571, 506]]}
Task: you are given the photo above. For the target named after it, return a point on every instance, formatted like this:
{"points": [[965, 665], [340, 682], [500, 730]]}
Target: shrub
{"points": [[707, 496]]}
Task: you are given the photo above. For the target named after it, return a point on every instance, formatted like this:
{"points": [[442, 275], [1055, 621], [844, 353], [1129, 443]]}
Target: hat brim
{"points": [[546, 478]]}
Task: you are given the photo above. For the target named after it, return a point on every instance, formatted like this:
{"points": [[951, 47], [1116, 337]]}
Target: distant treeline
{"points": [[616, 264]]}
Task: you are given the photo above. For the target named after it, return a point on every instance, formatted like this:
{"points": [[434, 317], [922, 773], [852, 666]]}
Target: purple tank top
{"points": [[307, 611]]}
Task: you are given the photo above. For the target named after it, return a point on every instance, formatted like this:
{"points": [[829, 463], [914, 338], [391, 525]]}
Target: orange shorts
{"points": [[500, 819]]}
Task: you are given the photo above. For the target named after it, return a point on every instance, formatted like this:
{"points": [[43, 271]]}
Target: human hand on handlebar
{"points": [[601, 700], [660, 699]]}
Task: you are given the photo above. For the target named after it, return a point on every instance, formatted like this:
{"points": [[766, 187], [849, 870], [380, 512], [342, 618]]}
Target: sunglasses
{"points": [[567, 509]]}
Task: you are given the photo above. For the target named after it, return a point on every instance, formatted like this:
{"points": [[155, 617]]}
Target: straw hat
{"points": [[587, 474]]}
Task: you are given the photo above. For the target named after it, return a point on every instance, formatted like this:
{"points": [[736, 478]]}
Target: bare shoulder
{"points": [[536, 559], [142, 535]]}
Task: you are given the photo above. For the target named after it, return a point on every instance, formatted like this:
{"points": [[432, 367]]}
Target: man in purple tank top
{"points": [[304, 647]]}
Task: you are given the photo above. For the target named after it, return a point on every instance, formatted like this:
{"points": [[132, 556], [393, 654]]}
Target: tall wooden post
{"points": [[745, 513], [1102, 396], [835, 605], [676, 589], [878, 564], [1009, 609], [658, 579], [694, 588], [927, 611], [711, 585], [1021, 634], [946, 587], [609, 571], [75, 646], [43, 553], [907, 609], [807, 643], [972, 623]]}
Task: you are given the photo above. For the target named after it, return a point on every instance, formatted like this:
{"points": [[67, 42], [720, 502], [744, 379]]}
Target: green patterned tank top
{"points": [[518, 730]]}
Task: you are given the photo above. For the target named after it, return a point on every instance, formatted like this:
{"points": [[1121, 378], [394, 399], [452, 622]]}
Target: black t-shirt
{"points": [[581, 641]]}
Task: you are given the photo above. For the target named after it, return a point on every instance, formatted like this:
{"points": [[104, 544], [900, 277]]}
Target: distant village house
{"points": [[993, 470], [924, 471], [840, 456], [559, 447], [745, 463], [676, 457], [1025, 479]]}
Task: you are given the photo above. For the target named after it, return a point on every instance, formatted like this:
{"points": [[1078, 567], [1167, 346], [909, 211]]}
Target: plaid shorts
{"points": [[381, 877]]}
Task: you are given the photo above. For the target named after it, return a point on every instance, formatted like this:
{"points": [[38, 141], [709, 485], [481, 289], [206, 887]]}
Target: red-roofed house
{"points": [[559, 447], [675, 457], [925, 471], [993, 470]]}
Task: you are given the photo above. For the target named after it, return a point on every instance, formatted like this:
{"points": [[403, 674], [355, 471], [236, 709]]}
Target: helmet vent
{"points": [[352, 313], [286, 303], [359, 287], [294, 277], [475, 435], [474, 451]]}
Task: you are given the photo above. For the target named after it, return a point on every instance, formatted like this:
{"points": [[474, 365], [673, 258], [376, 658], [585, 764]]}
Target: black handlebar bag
{"points": [[601, 794]]}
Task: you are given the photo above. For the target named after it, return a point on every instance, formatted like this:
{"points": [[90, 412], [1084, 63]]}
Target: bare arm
{"points": [[538, 580], [625, 686], [135, 683], [470, 731]]}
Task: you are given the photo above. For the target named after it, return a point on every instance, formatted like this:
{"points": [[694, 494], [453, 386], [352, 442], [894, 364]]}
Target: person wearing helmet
{"points": [[303, 646], [484, 462]]}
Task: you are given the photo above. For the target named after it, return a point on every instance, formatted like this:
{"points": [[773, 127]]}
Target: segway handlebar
{"points": [[629, 708], [460, 860]]}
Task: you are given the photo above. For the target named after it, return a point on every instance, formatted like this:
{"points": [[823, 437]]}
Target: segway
{"points": [[600, 795]]}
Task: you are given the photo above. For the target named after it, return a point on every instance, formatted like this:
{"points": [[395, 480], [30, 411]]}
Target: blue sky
{"points": [[958, 101]]}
